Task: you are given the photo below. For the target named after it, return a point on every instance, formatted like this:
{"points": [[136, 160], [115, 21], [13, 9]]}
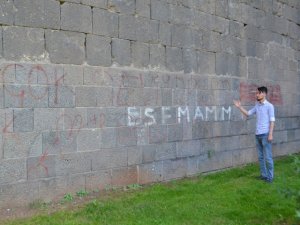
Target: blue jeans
{"points": [[264, 150]]}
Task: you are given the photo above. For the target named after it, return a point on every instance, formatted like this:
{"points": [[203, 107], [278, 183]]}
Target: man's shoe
{"points": [[269, 180], [261, 178]]}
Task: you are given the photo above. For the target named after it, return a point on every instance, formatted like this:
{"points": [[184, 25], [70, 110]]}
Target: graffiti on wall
{"points": [[247, 93]]}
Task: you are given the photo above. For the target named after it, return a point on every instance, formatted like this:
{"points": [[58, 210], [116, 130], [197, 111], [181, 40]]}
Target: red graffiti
{"points": [[247, 93]]}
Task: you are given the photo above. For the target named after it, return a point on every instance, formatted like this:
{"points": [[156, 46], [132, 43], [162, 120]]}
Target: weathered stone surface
{"points": [[75, 17], [105, 23], [58, 46], [121, 52], [140, 54], [98, 50], [122, 6], [16, 47], [43, 14]]}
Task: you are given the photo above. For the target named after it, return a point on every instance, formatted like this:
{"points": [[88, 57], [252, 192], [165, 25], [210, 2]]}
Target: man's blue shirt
{"points": [[264, 115]]}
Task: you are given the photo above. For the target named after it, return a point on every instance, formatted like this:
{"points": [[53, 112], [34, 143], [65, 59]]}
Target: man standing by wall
{"points": [[265, 119]]}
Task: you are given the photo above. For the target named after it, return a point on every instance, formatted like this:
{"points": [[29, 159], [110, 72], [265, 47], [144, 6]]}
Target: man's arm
{"points": [[270, 137], [237, 103]]}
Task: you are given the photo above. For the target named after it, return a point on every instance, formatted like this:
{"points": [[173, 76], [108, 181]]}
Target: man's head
{"points": [[261, 93]]}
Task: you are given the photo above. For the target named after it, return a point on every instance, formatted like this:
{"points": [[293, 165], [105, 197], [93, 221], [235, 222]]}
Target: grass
{"points": [[232, 197]]}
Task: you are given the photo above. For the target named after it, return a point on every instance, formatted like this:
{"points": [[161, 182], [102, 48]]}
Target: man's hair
{"points": [[262, 89]]}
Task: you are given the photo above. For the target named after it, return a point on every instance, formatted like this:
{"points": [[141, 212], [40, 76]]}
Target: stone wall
{"points": [[101, 93]]}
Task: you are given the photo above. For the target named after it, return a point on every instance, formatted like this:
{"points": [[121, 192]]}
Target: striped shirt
{"points": [[264, 115]]}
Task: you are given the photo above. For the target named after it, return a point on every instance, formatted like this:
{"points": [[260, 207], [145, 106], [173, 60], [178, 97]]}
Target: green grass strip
{"points": [[232, 197]]}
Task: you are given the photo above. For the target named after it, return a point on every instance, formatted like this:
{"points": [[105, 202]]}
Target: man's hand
{"points": [[237, 103], [270, 138]]}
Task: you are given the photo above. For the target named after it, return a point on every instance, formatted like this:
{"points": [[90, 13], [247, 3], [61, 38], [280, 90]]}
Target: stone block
{"points": [[43, 14], [61, 97], [1, 42], [115, 117], [58, 142], [17, 145], [190, 61], [40, 167], [222, 8], [211, 41], [160, 10], [73, 75], [142, 136], [206, 6], [193, 168], [142, 8], [59, 186], [125, 96], [236, 29], [157, 56], [242, 157], [95, 3], [294, 31], [47, 74], [179, 97], [101, 160], [98, 180], [173, 169], [73, 1], [12, 170], [199, 82], [160, 151], [73, 163], [227, 143], [175, 132], [121, 52], [7, 12], [57, 45], [124, 176], [147, 30], [104, 96], [151, 172], [165, 33], [98, 50], [182, 36], [86, 96], [135, 156], [255, 68], [202, 130], [74, 119], [233, 45], [20, 96], [140, 54], [158, 134], [109, 138], [23, 120], [206, 62], [291, 14], [105, 23], [127, 27], [126, 136], [122, 6], [98, 76], [15, 47], [188, 148], [89, 140], [227, 64], [181, 15], [167, 97], [24, 192], [75, 17], [48, 119], [174, 59]]}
